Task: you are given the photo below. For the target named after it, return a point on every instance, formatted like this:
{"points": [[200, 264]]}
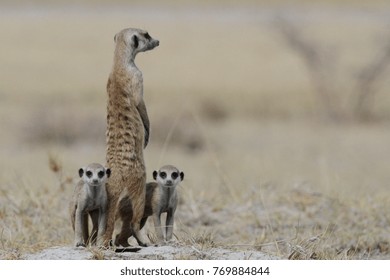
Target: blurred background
{"points": [[253, 100]]}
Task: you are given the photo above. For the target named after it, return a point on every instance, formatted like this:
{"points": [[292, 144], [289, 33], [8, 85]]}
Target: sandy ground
{"points": [[148, 253]]}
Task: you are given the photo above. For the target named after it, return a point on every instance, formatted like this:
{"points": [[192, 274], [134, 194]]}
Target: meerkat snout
{"points": [[169, 183], [147, 40]]}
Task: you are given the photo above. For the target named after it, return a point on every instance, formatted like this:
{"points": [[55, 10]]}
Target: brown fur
{"points": [[125, 138]]}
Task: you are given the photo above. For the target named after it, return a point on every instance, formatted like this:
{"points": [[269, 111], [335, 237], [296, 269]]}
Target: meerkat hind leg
{"points": [[101, 226], [126, 214], [143, 222], [121, 239], [137, 234], [81, 228], [158, 228], [169, 225], [111, 212], [94, 217]]}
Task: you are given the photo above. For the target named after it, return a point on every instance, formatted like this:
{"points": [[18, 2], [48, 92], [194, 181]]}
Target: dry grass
{"points": [[230, 104]]}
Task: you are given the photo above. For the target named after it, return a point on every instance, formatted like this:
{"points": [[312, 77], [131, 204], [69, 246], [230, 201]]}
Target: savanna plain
{"points": [[278, 114]]}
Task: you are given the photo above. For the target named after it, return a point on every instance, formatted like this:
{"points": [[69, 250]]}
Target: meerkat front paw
{"points": [[80, 244]]}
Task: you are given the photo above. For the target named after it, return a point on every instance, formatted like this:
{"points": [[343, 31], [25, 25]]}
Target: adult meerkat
{"points": [[126, 136], [89, 197], [161, 197]]}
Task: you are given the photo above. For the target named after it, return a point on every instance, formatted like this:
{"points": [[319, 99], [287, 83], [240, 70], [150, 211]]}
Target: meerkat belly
{"points": [[95, 201], [93, 205], [125, 138], [164, 205]]}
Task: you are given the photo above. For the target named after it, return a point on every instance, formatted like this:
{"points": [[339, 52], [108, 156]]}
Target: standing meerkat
{"points": [[89, 197], [161, 197], [126, 136]]}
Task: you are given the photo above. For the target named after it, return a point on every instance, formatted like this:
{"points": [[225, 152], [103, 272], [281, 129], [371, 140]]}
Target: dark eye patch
{"points": [[135, 41], [163, 175], [147, 36], [101, 174], [174, 175], [89, 174]]}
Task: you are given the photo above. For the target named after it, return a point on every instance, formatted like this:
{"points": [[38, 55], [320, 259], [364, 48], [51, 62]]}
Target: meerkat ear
{"points": [[108, 172], [155, 175], [182, 175], [81, 172], [115, 38], [134, 41]]}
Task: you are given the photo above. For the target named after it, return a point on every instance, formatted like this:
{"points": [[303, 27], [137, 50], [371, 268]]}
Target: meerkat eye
{"points": [[163, 175], [174, 175], [147, 36], [89, 174], [101, 174]]}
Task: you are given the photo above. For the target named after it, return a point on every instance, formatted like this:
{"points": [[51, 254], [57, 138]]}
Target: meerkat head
{"points": [[136, 40], [168, 176], [94, 174]]}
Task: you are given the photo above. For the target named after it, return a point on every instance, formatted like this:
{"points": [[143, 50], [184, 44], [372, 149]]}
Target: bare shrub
{"points": [[317, 61], [367, 82], [322, 62]]}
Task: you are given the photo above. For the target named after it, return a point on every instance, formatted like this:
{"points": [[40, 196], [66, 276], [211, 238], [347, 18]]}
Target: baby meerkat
{"points": [[161, 197], [90, 197]]}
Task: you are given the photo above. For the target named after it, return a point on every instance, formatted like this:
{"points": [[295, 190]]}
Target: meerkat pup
{"points": [[126, 136], [161, 197], [90, 197]]}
